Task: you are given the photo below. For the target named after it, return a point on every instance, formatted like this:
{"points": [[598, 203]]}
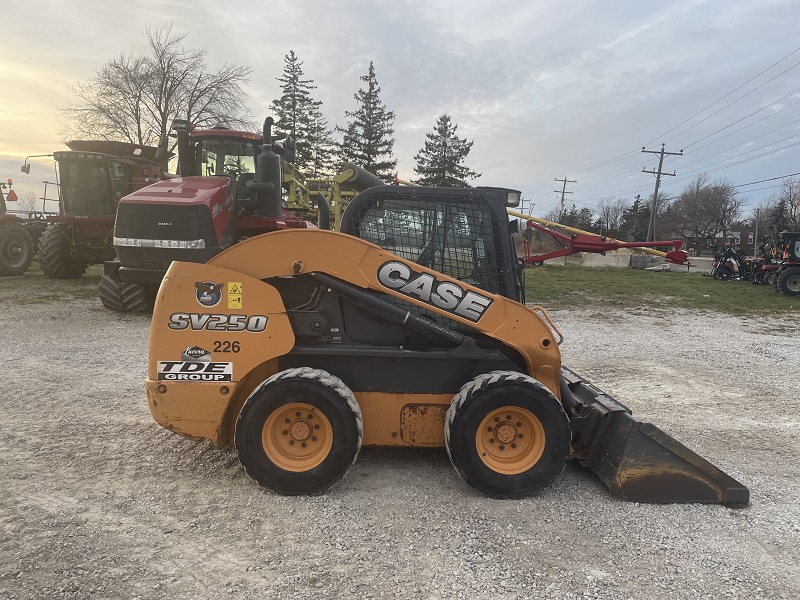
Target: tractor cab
{"points": [[219, 151]]}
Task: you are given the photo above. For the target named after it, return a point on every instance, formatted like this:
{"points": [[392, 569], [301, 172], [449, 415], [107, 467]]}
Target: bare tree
{"points": [[136, 98], [705, 210], [28, 202], [610, 212]]}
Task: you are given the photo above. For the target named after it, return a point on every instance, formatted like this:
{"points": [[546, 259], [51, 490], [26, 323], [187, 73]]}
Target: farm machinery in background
{"points": [[213, 204], [91, 178], [787, 277], [731, 263], [579, 240], [16, 243]]}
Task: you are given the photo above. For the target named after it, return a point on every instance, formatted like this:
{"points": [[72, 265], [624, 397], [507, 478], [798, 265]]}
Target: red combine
{"points": [[91, 178]]}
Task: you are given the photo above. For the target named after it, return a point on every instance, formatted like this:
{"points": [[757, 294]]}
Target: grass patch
{"points": [[555, 287]]}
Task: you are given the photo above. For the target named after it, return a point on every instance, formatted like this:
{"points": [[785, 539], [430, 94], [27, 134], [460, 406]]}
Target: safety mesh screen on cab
{"points": [[455, 235]]}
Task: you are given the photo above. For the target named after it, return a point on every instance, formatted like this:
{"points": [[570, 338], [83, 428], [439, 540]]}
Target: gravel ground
{"points": [[97, 501]]}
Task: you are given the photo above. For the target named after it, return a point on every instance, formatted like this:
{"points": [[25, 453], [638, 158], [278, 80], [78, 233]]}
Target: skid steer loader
{"points": [[407, 328]]}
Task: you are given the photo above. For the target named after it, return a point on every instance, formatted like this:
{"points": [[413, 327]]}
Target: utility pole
{"points": [[651, 228], [562, 192]]}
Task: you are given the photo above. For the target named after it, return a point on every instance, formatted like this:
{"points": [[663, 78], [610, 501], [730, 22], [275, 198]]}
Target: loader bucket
{"points": [[638, 461]]}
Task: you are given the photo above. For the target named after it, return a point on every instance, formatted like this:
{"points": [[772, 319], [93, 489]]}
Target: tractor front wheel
{"points": [[507, 435], [124, 297], [789, 281], [56, 256], [299, 431], [16, 249]]}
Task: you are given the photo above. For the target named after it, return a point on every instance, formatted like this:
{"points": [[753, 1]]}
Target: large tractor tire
{"points": [[789, 281], [124, 297], [16, 249], [299, 431], [507, 435], [55, 255]]}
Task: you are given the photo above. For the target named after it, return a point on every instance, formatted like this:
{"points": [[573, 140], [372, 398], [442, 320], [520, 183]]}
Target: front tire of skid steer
{"points": [[299, 432], [507, 435]]}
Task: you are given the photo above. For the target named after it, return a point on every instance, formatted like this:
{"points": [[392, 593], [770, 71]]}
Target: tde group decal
{"points": [[195, 365], [446, 295]]}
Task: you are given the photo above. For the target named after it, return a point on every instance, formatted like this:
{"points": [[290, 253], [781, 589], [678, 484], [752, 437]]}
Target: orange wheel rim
{"points": [[510, 440], [297, 437]]}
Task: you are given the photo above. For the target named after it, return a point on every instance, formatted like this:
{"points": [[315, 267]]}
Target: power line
{"points": [[725, 96], [763, 180]]}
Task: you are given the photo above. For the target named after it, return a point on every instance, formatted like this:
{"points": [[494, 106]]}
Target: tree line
{"points": [[135, 98]]}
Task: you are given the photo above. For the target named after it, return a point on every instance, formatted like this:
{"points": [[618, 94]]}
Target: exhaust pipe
{"points": [[324, 218], [267, 184]]}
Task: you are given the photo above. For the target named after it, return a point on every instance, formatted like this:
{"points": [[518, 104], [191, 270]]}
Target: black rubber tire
{"points": [[722, 273], [327, 394], [490, 392], [769, 278], [16, 248], [55, 255], [123, 297], [789, 281]]}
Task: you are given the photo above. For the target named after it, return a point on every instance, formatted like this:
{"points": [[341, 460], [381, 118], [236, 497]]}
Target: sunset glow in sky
{"points": [[545, 89]]}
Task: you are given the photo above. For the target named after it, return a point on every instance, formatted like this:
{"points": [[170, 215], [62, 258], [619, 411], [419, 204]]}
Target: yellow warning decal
{"points": [[234, 294]]}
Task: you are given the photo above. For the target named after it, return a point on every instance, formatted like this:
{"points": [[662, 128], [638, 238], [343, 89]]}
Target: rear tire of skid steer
{"points": [[299, 432], [123, 297], [55, 255], [507, 435], [789, 281], [16, 249]]}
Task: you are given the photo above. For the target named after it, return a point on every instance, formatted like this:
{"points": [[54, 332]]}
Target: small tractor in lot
{"points": [[213, 205], [733, 264], [92, 176], [406, 328], [787, 276]]}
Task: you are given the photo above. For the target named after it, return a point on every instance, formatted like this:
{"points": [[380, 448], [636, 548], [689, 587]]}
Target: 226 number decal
{"points": [[226, 346]]}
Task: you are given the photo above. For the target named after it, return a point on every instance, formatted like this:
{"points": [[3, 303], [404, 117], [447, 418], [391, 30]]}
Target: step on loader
{"points": [[407, 328]]}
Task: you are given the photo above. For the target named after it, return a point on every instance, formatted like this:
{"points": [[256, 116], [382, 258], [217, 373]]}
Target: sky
{"points": [[545, 89]]}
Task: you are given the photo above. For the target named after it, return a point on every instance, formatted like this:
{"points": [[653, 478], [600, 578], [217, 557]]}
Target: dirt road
{"points": [[97, 501]]}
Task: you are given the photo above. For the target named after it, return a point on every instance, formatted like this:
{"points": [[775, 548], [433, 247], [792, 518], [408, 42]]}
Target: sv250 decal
{"points": [[214, 322]]}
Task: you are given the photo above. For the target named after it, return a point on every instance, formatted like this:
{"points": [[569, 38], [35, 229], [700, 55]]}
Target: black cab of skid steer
{"points": [[461, 232]]}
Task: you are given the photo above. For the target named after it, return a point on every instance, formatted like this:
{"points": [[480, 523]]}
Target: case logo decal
{"points": [[446, 295]]}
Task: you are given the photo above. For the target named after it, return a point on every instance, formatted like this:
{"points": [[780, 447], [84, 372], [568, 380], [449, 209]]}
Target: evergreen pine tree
{"points": [[440, 162], [299, 115], [368, 138]]}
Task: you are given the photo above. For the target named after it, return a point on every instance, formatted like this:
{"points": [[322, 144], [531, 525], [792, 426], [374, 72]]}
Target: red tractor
{"points": [[216, 202], [787, 279]]}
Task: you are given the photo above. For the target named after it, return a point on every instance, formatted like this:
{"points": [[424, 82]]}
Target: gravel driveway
{"points": [[97, 501]]}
